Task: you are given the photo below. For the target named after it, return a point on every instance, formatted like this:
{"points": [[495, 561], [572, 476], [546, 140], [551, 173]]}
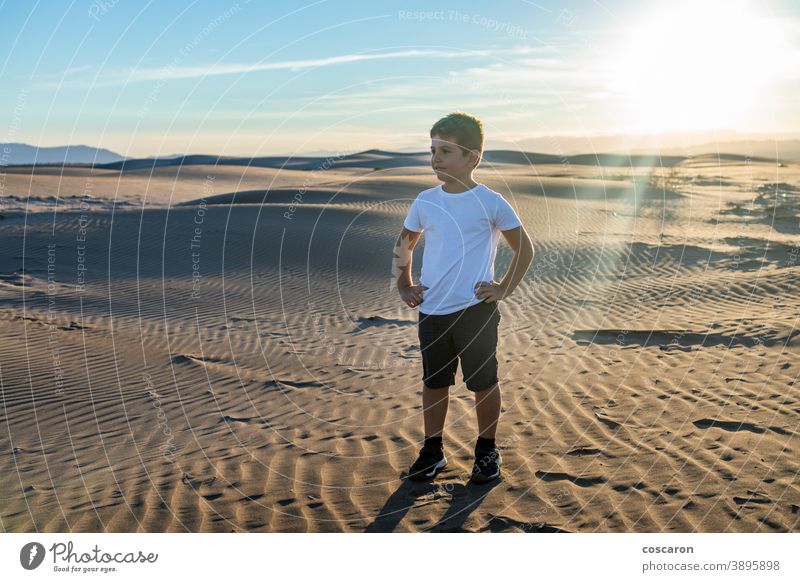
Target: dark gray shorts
{"points": [[468, 335]]}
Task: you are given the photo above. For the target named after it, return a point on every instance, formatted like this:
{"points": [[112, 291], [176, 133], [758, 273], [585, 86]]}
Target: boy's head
{"points": [[456, 145]]}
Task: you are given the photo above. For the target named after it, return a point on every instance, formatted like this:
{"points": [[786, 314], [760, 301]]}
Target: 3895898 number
{"points": [[757, 565]]}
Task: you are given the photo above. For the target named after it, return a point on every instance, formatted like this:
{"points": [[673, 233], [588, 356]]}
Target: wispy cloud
{"points": [[175, 71], [507, 87]]}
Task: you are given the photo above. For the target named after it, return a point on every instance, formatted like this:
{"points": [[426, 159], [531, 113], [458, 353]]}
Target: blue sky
{"points": [[247, 78]]}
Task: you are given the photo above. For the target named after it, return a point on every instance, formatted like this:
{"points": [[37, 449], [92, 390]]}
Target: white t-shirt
{"points": [[461, 235]]}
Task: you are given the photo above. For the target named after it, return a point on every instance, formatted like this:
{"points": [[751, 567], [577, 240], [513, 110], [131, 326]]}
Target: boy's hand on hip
{"points": [[490, 291], [412, 295]]}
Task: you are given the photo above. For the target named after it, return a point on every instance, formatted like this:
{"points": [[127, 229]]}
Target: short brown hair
{"points": [[464, 129]]}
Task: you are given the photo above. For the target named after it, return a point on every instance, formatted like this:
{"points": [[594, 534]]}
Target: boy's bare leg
{"points": [[487, 405], [434, 407]]}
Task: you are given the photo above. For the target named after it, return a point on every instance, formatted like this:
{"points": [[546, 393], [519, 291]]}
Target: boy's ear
{"points": [[476, 156]]}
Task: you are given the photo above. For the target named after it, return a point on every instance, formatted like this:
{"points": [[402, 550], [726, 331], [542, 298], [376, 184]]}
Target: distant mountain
{"points": [[552, 150], [784, 147], [382, 160], [12, 154], [372, 159]]}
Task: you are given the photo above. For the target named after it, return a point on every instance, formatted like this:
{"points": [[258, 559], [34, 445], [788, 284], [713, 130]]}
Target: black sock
{"points": [[484, 443], [434, 442]]}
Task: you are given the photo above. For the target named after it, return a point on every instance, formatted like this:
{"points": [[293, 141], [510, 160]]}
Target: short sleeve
{"points": [[505, 217], [414, 219]]}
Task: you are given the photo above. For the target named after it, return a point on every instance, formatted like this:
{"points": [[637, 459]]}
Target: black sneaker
{"points": [[431, 460], [487, 465]]}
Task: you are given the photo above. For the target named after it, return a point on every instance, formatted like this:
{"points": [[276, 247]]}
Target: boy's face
{"points": [[449, 161]]}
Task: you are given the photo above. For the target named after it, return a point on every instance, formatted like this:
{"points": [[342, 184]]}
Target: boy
{"points": [[457, 295]]}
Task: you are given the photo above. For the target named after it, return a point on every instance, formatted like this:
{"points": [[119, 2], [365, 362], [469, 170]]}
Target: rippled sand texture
{"points": [[244, 364]]}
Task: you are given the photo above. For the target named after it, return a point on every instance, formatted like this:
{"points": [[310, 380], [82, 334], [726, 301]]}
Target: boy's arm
{"points": [[519, 241], [403, 256]]}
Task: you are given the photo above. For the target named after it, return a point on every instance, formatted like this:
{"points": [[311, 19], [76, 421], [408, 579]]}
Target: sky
{"points": [[332, 76]]}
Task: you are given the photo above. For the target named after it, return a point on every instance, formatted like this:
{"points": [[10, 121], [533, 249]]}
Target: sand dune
{"points": [[227, 354]]}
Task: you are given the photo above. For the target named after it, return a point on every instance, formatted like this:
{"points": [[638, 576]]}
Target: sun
{"points": [[697, 65]]}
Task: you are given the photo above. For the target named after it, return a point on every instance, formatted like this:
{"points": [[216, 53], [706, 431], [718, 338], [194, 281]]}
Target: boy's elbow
{"points": [[527, 247]]}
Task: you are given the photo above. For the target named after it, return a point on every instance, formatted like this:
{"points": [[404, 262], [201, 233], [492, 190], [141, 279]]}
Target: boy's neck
{"points": [[457, 186]]}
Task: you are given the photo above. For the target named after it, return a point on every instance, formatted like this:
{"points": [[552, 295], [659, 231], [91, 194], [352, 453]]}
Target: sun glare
{"points": [[697, 65]]}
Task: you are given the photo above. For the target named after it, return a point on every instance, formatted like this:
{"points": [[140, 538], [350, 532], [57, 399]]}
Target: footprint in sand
{"points": [[580, 481], [378, 321], [733, 426], [581, 451], [501, 523], [244, 420], [752, 497], [194, 359], [194, 482]]}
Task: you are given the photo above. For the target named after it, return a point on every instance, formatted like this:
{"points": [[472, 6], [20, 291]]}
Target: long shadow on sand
{"points": [[463, 499]]}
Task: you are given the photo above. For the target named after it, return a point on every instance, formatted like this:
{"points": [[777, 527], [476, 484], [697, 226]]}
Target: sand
{"points": [[243, 363]]}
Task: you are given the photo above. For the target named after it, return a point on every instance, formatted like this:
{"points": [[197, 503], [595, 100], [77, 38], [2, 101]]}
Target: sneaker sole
{"points": [[481, 478], [432, 473]]}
